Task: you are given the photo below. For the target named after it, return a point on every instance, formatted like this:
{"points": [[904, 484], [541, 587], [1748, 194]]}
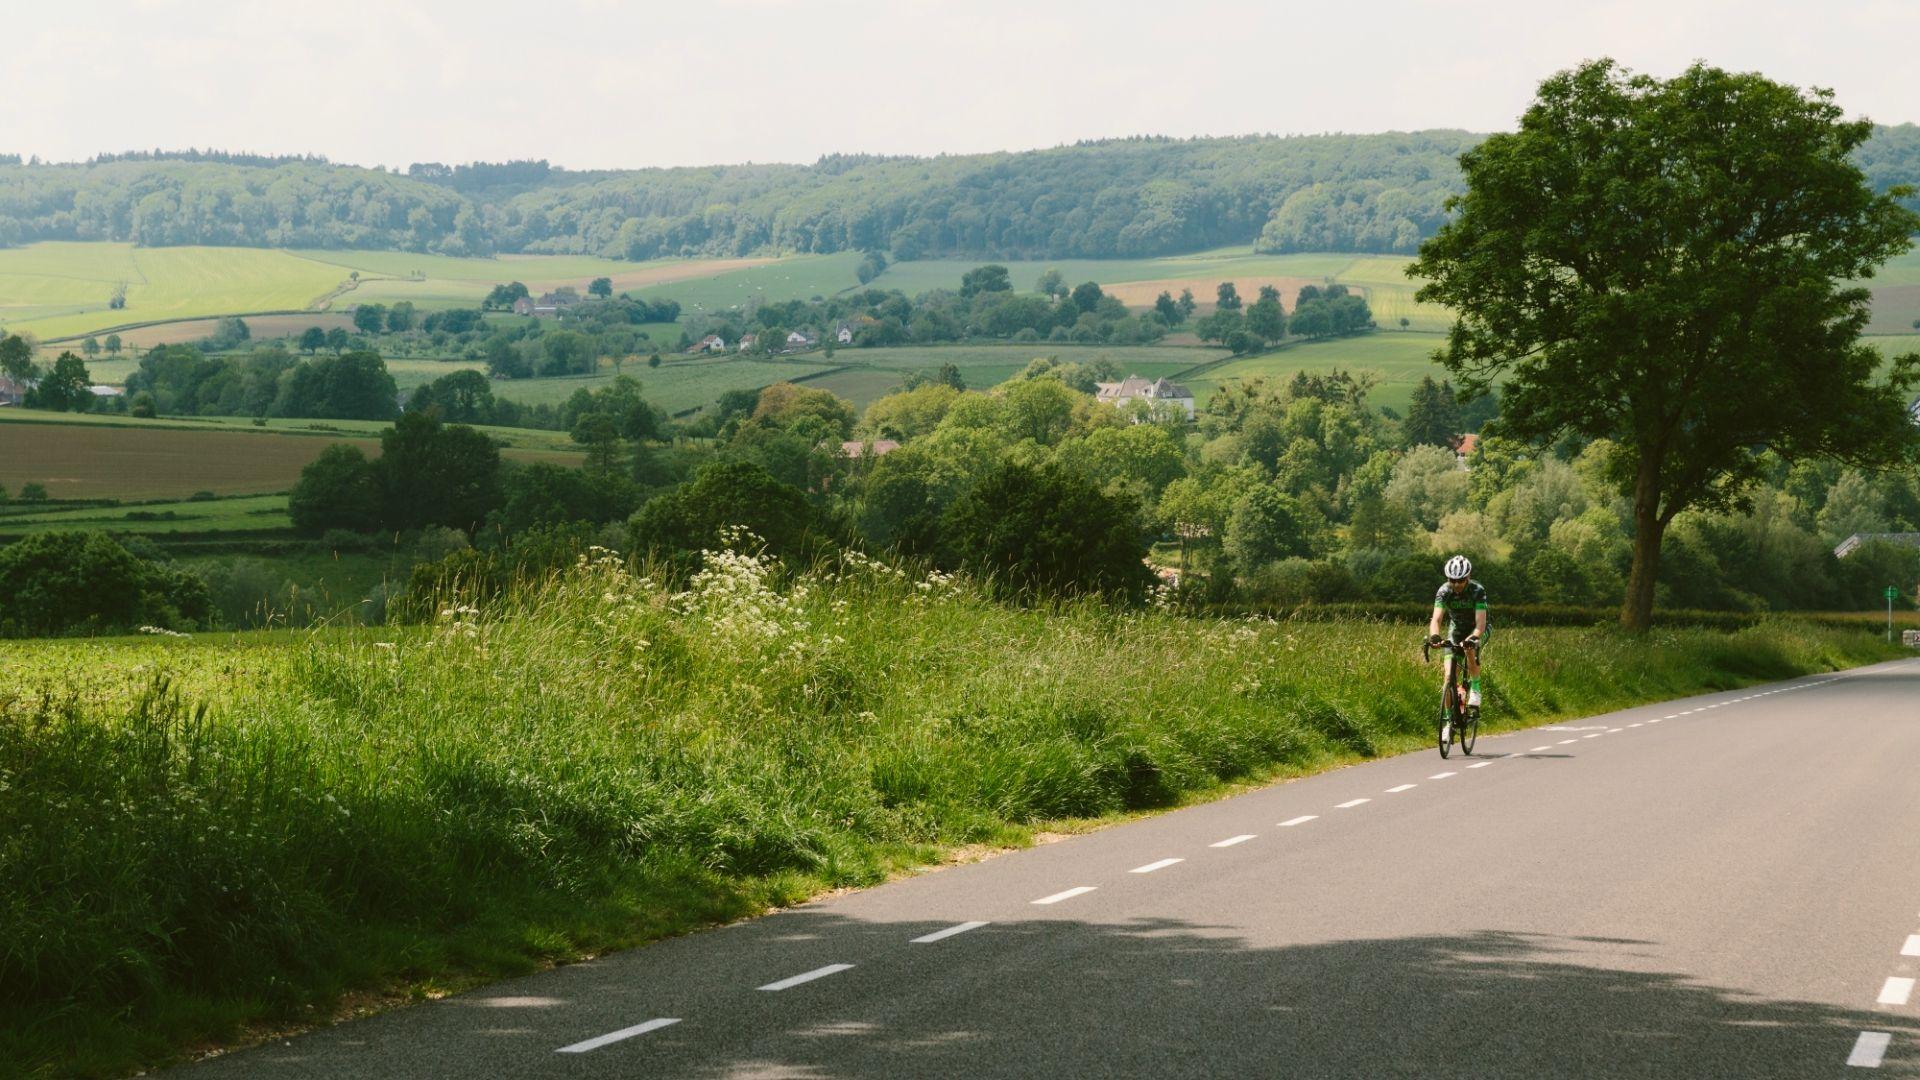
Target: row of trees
{"points": [[985, 306], [1319, 312], [181, 380]]}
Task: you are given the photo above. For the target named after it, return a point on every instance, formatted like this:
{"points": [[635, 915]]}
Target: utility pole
{"points": [[1891, 593]]}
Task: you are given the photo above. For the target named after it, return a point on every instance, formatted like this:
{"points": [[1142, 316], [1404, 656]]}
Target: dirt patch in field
{"points": [[260, 326], [93, 461], [1141, 294], [650, 274]]}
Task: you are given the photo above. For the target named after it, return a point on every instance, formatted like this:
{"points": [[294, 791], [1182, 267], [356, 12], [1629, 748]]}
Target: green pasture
{"points": [[1399, 360], [245, 514], [676, 385], [800, 277], [58, 288], [860, 375]]}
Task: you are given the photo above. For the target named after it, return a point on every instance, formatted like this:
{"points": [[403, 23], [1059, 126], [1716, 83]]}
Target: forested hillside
{"points": [[1117, 198]]}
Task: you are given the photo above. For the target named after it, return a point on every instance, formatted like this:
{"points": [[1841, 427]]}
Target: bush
{"points": [[1047, 531], [88, 582], [692, 518]]}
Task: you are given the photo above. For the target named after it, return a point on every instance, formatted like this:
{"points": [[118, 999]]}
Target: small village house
{"points": [[1157, 393], [710, 344]]}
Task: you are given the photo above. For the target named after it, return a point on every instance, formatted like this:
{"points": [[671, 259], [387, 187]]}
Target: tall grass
{"points": [[598, 758]]}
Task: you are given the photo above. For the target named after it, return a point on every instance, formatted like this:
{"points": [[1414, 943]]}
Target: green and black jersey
{"points": [[1460, 607]]}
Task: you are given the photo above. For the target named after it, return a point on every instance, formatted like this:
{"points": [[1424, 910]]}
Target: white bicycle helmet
{"points": [[1459, 568]]}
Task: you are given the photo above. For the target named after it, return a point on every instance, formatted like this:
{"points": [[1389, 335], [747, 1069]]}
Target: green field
{"points": [[238, 516], [871, 373], [799, 277], [1399, 359], [676, 385], [860, 375], [439, 281], [56, 288]]}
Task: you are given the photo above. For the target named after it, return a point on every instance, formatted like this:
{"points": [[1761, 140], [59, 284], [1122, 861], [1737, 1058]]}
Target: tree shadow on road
{"points": [[1165, 999], [1056, 997]]}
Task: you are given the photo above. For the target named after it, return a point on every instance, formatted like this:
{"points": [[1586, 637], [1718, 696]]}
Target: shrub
{"points": [[69, 582], [1048, 531]]}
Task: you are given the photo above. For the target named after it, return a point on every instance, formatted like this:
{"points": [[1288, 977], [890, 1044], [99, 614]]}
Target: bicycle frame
{"points": [[1454, 718]]}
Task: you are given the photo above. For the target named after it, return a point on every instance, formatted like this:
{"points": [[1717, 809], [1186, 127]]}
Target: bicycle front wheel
{"points": [[1469, 731]]}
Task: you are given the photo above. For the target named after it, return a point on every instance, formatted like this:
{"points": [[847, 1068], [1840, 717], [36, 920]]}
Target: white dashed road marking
{"points": [[1232, 840], [1402, 787], [1442, 775], [1351, 803], [1067, 895], [1595, 735], [942, 935], [599, 1041], [1896, 990], [1564, 742], [1301, 820], [1152, 866], [1912, 947], [807, 977], [1538, 749], [1479, 764], [1869, 1049]]}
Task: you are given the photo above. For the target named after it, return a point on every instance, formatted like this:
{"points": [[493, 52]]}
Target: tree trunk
{"points": [[1636, 614]]}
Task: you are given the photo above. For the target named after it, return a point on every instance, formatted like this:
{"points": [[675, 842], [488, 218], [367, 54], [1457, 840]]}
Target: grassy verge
{"points": [[601, 760]]}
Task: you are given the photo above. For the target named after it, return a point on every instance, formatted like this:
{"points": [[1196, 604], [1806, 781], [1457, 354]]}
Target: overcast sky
{"points": [[601, 83]]}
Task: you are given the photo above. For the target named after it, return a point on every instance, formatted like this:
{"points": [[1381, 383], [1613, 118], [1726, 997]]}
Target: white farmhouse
{"points": [[1156, 393]]}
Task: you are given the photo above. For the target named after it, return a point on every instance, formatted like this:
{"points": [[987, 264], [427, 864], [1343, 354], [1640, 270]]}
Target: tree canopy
{"points": [[1660, 263]]}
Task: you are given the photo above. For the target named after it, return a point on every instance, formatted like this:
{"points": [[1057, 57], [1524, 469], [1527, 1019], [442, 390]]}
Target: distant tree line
{"points": [[1112, 198]]}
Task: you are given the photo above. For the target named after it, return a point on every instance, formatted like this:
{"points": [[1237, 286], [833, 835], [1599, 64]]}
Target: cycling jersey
{"points": [[1461, 607]]}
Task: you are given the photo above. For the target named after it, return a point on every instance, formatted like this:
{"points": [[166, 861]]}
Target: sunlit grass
{"points": [[601, 758]]}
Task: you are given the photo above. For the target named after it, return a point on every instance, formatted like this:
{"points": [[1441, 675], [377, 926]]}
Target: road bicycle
{"points": [[1458, 720]]}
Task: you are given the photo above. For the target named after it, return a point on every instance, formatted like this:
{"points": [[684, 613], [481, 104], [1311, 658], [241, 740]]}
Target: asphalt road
{"points": [[1723, 886]]}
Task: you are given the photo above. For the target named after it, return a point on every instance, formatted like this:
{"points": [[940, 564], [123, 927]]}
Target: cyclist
{"points": [[1462, 603]]}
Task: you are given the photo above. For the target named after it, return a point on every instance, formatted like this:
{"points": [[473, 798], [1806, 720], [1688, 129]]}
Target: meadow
{"points": [[440, 281], [56, 289], [212, 838], [1398, 359], [678, 385], [93, 456], [236, 516]]}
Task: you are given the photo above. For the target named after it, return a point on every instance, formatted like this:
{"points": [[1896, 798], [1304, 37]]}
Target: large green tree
{"points": [[1663, 263], [1042, 531], [436, 474]]}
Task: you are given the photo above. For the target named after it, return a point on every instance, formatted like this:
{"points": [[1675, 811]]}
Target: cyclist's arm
{"points": [[1480, 622], [1433, 624]]}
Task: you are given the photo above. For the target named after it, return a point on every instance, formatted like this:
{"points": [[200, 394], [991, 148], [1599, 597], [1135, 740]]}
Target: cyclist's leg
{"points": [[1473, 675]]}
